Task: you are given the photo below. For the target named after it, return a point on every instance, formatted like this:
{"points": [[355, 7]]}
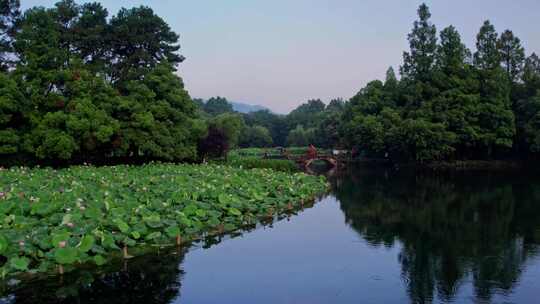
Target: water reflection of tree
{"points": [[149, 279], [452, 228], [154, 278]]}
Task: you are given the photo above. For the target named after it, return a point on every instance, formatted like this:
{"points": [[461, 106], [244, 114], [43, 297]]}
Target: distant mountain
{"points": [[246, 108]]}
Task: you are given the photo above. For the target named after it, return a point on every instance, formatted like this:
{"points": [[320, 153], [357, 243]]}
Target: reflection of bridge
{"points": [[334, 158], [307, 160], [328, 159]]}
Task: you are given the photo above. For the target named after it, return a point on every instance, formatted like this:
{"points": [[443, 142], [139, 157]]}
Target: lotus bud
{"points": [[62, 244]]}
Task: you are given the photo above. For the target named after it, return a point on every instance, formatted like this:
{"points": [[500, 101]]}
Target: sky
{"points": [[281, 53]]}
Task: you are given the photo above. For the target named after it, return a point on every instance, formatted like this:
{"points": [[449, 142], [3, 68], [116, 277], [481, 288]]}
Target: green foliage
{"points": [[512, 54], [232, 126], [300, 136], [255, 136], [487, 56], [529, 122], [217, 105], [141, 40], [86, 214], [90, 88], [276, 124], [419, 61], [447, 106]]}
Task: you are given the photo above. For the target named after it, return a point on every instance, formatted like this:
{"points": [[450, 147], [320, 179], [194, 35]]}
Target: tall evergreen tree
{"points": [[457, 104], [512, 54], [531, 73], [452, 54], [496, 117], [487, 56], [418, 63]]}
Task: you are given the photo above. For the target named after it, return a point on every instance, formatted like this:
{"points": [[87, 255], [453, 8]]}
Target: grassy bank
{"points": [[58, 219]]}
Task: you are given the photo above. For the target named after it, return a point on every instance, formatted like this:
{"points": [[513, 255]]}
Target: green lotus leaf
{"points": [[66, 256], [153, 236], [172, 231], [99, 260], [123, 226], [19, 263], [60, 238], [153, 221], [87, 242], [235, 212]]}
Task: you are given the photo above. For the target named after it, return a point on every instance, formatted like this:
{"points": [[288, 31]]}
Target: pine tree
{"points": [[423, 44], [487, 56], [452, 54], [512, 54], [497, 121]]}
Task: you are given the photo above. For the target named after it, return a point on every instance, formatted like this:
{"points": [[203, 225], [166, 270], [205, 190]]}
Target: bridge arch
{"points": [[329, 160]]}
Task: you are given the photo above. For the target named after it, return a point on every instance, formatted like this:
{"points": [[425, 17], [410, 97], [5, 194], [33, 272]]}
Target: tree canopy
{"points": [[86, 87], [449, 104]]}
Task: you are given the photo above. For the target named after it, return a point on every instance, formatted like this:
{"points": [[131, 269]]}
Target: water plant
{"points": [[58, 219]]}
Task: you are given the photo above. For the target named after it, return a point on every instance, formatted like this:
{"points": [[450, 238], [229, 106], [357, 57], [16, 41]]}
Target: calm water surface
{"points": [[380, 236]]}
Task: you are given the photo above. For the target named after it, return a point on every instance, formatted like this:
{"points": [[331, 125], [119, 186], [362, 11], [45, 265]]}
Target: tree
{"points": [[529, 122], [218, 105], [307, 115], [487, 56], [78, 125], [231, 124], [512, 54], [256, 136], [275, 123], [65, 14], [452, 54], [531, 73], [335, 105], [418, 63], [91, 37], [496, 118], [9, 15], [11, 108], [300, 137], [157, 118], [86, 89], [457, 106], [214, 144], [140, 40]]}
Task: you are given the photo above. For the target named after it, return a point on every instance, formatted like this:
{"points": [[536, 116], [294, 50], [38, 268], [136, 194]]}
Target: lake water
{"points": [[380, 236]]}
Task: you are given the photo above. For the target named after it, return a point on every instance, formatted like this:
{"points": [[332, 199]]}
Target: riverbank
{"points": [[55, 220]]}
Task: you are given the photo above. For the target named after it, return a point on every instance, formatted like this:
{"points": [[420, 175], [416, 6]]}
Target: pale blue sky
{"points": [[279, 53]]}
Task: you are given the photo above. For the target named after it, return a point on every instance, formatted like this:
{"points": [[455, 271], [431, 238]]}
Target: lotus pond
{"points": [[59, 220]]}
